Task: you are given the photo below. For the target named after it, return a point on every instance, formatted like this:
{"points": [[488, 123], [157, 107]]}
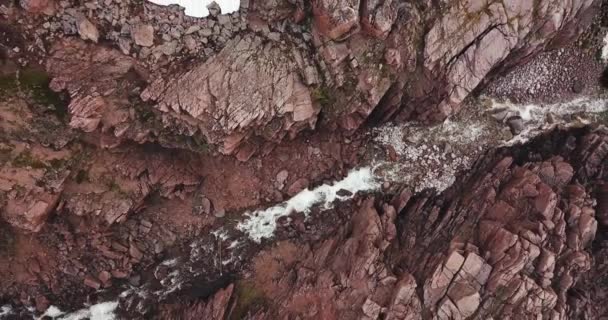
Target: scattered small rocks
{"points": [[37, 6], [549, 77], [157, 33]]}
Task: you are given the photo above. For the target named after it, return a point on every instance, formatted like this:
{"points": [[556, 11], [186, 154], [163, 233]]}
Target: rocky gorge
{"points": [[325, 159]]}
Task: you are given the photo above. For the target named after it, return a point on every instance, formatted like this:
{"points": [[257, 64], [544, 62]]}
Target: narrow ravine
{"points": [[422, 157]]}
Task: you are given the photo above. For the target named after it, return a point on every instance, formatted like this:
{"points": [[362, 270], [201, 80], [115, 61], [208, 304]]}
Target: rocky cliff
{"points": [[325, 159]]}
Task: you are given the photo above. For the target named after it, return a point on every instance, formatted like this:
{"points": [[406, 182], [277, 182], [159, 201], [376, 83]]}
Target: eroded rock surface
{"points": [[360, 61], [251, 87], [511, 244], [127, 184]]}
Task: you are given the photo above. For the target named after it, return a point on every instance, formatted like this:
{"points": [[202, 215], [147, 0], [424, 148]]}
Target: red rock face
{"points": [[129, 165], [516, 232], [364, 61]]}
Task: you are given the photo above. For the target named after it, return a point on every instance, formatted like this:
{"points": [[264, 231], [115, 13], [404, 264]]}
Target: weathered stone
{"points": [[281, 178], [297, 186], [92, 282], [228, 110], [87, 30], [143, 35]]}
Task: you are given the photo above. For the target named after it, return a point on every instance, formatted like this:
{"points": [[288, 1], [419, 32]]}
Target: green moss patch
{"points": [[322, 96], [35, 83], [82, 176], [26, 159], [249, 299], [7, 240]]}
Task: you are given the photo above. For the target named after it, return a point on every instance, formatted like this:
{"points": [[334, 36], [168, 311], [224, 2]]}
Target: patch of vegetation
{"points": [[144, 113], [5, 152], [7, 239], [115, 187], [249, 299], [322, 96], [82, 176], [196, 143], [58, 164], [8, 85], [34, 82], [26, 159], [37, 82], [19, 190]]}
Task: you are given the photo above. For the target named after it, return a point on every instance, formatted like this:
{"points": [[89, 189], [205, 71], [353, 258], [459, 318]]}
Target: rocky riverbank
{"points": [[303, 160]]}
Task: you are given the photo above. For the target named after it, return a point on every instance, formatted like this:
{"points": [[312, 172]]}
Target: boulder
{"points": [[143, 35]]}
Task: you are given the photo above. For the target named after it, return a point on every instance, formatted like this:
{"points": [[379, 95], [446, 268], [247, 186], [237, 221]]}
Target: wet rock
{"points": [[135, 280], [344, 193], [297, 186], [516, 124], [42, 303]]}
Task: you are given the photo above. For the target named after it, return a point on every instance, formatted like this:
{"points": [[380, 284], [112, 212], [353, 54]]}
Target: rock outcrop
{"points": [[361, 61], [510, 242], [129, 177], [474, 38], [252, 87]]}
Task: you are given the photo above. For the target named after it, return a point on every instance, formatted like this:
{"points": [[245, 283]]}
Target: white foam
{"points": [[52, 312], [5, 311], [535, 116], [100, 311], [262, 223], [605, 49], [170, 262], [198, 8]]}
